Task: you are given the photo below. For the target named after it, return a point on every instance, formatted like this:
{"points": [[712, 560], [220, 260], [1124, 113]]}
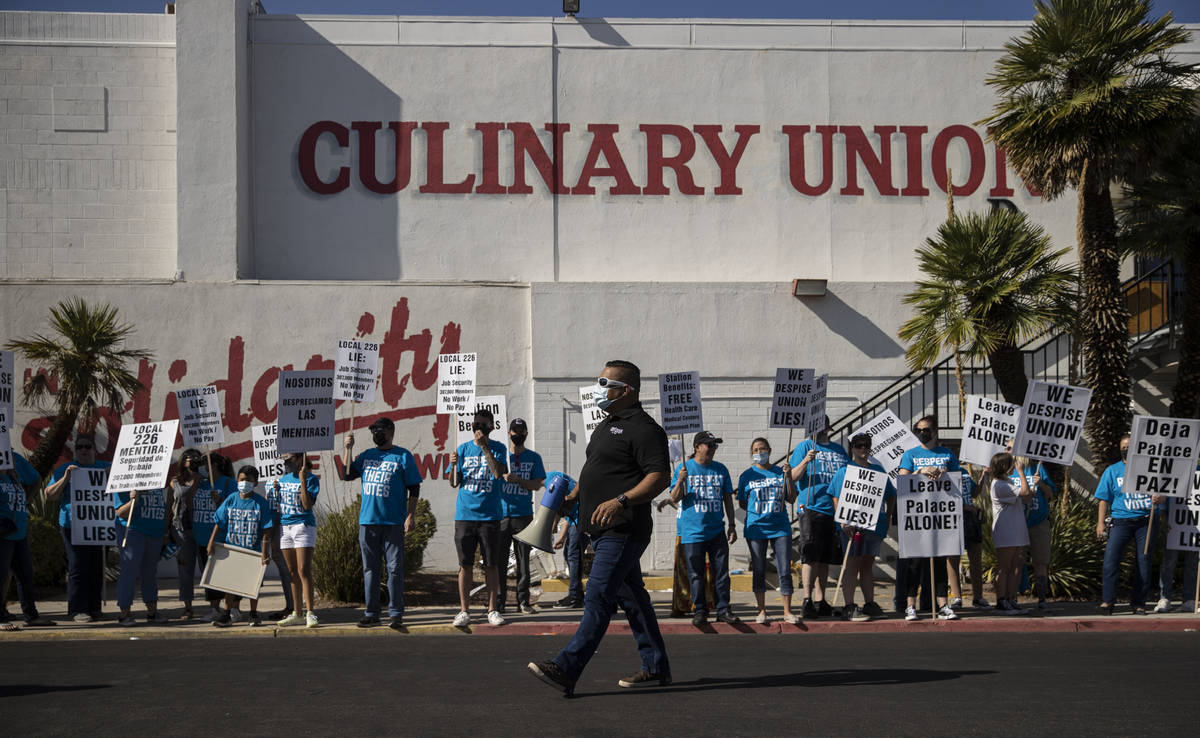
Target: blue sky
{"points": [[1187, 11]]}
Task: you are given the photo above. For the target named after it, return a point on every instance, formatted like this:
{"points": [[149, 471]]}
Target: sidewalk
{"points": [[1066, 617]]}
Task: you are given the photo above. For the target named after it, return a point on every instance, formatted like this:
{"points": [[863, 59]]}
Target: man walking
{"points": [[627, 466], [525, 476]]}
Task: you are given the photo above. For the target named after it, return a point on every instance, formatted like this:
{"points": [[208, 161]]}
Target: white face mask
{"points": [[761, 458], [203, 472], [245, 488]]}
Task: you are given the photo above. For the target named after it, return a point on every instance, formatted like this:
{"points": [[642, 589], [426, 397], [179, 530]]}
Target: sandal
{"points": [[8, 627], [1139, 611], [187, 614]]}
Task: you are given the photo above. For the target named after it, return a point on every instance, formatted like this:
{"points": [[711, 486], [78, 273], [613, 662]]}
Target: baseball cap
{"points": [[382, 424], [518, 424], [706, 437]]}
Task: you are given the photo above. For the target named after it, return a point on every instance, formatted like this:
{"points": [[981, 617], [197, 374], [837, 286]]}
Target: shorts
{"points": [[298, 535], [972, 527], [867, 545], [472, 534], [819, 543], [1039, 543]]}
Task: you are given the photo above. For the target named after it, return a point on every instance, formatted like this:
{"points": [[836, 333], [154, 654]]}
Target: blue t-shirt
{"points": [[889, 493], [943, 458], [515, 500], [12, 507], [149, 514], [291, 511], [1039, 507], [701, 513], [1121, 505], [386, 477], [203, 506], [812, 488], [572, 515], [64, 500], [479, 491], [243, 519], [766, 505]]}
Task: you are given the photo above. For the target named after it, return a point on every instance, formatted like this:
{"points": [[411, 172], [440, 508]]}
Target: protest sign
{"points": [[1162, 456], [199, 416], [1183, 516], [679, 399], [6, 409], [592, 415], [356, 370], [497, 404], [456, 383], [989, 424], [92, 513], [889, 440], [237, 571], [789, 402], [266, 455], [815, 422], [860, 500], [1051, 422], [305, 412], [930, 515], [143, 456]]}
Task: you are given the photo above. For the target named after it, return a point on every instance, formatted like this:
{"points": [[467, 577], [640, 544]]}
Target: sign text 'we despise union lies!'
{"points": [[327, 164]]}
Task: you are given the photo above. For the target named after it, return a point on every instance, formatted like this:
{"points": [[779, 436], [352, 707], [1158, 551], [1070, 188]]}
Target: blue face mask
{"points": [[245, 488], [600, 395], [763, 458]]}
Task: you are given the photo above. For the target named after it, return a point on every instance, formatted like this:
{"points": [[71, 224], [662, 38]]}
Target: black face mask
{"points": [[925, 435], [380, 437], [481, 427], [518, 439]]}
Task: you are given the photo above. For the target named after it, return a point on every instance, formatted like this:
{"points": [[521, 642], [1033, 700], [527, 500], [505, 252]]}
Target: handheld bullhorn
{"points": [[539, 533]]}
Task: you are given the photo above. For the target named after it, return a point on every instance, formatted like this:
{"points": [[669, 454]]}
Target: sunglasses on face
{"points": [[83, 447], [606, 382], [860, 445]]}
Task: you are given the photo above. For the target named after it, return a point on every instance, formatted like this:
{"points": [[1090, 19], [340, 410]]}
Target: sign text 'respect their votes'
{"points": [[860, 501], [679, 398], [498, 405], [6, 409], [92, 511], [199, 416], [889, 440], [143, 456], [990, 423], [929, 513], [1183, 520], [305, 412], [1051, 422], [592, 415], [267, 460], [1162, 456], [456, 383], [355, 371], [789, 401]]}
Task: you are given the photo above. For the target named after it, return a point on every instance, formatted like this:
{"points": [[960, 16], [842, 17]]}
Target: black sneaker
{"points": [[568, 603], [396, 622], [643, 677], [873, 610], [368, 621], [552, 674], [823, 609], [809, 611], [527, 609], [849, 611], [277, 615], [727, 616], [858, 614], [223, 619], [700, 618]]}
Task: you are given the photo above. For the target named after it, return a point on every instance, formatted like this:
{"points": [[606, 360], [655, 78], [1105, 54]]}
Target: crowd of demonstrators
{"points": [[862, 546], [814, 463], [85, 564], [765, 492], [526, 473]]}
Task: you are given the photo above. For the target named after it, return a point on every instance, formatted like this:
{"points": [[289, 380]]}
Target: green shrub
{"points": [[337, 560]]}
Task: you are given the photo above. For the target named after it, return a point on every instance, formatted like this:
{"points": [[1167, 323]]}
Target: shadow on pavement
{"points": [[25, 690], [831, 678]]}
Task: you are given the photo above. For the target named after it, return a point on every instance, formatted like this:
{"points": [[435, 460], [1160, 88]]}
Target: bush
{"points": [[337, 560]]}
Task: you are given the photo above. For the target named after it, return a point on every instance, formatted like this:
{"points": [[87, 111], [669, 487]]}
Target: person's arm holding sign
{"points": [[53, 491], [212, 540], [349, 471], [789, 484], [495, 465], [1026, 491], [680, 488], [306, 499], [126, 510], [802, 468]]}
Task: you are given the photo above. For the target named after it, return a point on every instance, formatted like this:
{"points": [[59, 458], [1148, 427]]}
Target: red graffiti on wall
{"points": [[406, 361]]}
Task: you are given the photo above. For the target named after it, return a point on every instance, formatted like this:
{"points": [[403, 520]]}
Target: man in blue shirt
{"points": [[386, 514], [477, 469], [525, 476], [1130, 520], [85, 564], [814, 462], [573, 541]]}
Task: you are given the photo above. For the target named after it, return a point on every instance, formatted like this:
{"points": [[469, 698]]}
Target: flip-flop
{"points": [[8, 628]]}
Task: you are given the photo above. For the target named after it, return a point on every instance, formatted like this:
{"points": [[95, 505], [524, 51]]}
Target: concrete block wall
{"points": [[87, 146]]}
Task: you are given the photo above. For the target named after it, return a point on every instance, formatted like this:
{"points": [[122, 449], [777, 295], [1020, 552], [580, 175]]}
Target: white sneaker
{"points": [[211, 616], [1164, 605], [310, 620], [790, 619], [462, 620], [956, 603], [910, 613], [947, 614], [495, 618], [294, 618], [235, 615], [761, 618]]}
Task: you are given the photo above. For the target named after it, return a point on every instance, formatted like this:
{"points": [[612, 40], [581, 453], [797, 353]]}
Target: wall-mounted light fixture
{"points": [[809, 287], [571, 7]]}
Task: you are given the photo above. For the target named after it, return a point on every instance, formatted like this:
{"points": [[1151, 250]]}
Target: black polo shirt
{"points": [[625, 447]]}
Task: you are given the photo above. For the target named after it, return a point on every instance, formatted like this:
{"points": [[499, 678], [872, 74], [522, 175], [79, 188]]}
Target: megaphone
{"points": [[538, 533]]}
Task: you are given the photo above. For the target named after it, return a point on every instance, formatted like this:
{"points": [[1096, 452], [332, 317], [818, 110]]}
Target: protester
{"points": [[298, 490], [627, 466], [1130, 520], [973, 543], [285, 577], [194, 499], [703, 489], [932, 461], [1037, 519], [14, 543], [525, 476], [1166, 577], [141, 524], [391, 485], [765, 492], [1010, 534], [243, 520], [476, 469], [862, 545], [573, 541], [85, 564], [814, 462]]}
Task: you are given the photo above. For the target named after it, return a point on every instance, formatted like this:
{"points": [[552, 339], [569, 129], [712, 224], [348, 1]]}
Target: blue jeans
{"points": [[386, 541], [1122, 532], [616, 578], [15, 556], [576, 543], [758, 563], [717, 550], [1166, 574], [139, 560]]}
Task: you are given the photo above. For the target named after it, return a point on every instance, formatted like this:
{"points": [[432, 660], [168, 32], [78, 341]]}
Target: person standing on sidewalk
{"points": [[141, 524], [244, 521], [627, 466], [85, 564], [14, 542], [573, 541], [1010, 534], [863, 545], [765, 492], [1130, 519], [476, 469], [1037, 520], [391, 486], [525, 476], [814, 462], [1170, 559], [298, 490], [703, 490]]}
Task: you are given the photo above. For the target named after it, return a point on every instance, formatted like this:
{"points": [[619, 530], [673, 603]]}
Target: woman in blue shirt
{"points": [[141, 524], [297, 492], [85, 564], [862, 545], [764, 492], [14, 542], [1130, 520]]}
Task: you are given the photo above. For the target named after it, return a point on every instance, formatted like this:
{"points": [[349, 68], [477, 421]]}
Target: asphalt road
{"points": [[866, 684]]}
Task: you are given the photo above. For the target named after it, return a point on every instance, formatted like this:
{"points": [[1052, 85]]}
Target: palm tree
{"points": [[1085, 94], [992, 281], [1160, 216], [87, 360]]}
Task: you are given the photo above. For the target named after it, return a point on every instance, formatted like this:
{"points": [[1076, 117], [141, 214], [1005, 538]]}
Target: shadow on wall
{"points": [[855, 327], [599, 29]]}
